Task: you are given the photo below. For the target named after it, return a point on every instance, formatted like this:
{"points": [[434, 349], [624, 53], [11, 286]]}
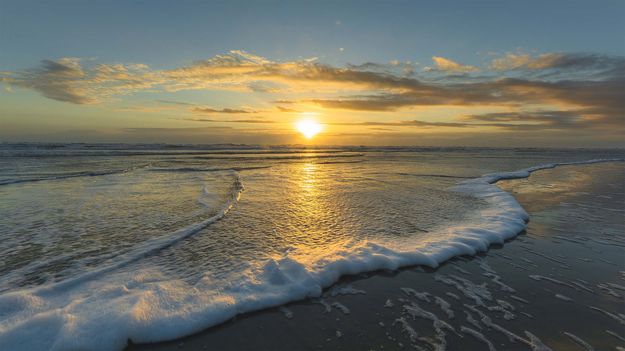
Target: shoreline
{"points": [[212, 334]]}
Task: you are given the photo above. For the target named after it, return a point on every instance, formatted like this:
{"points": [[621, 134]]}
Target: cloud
{"points": [[536, 116], [69, 81], [539, 120], [542, 120], [147, 109], [444, 64], [174, 130], [171, 102], [589, 63], [408, 123], [513, 61], [209, 110], [394, 67], [251, 121], [286, 109], [55, 80], [577, 89], [604, 99], [66, 80]]}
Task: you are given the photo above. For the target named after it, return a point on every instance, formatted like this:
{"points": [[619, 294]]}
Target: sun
{"points": [[308, 127]]}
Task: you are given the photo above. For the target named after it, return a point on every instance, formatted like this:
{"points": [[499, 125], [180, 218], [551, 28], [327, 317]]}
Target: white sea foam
{"points": [[452, 295], [407, 329], [477, 293], [579, 340], [326, 306], [424, 296], [341, 307], [445, 306], [616, 286], [415, 311], [617, 317], [286, 312], [478, 336], [532, 340], [519, 299], [344, 290], [615, 335], [503, 307], [563, 297], [609, 290], [472, 320], [102, 309]]}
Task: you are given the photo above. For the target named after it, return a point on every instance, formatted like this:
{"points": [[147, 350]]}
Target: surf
{"points": [[103, 308]]}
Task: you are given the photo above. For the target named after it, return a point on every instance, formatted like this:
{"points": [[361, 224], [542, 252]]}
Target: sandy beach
{"points": [[557, 285]]}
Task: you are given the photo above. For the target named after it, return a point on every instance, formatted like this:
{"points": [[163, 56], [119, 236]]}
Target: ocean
{"points": [[102, 243]]}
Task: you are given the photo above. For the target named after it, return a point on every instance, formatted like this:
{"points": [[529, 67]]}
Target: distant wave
{"points": [[299, 157], [338, 162], [434, 175], [180, 169], [70, 175], [60, 152], [124, 170], [204, 169]]}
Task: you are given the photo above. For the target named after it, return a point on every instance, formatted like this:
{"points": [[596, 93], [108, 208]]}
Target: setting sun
{"points": [[308, 128]]}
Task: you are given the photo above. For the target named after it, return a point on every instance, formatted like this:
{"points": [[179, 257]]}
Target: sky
{"points": [[440, 73]]}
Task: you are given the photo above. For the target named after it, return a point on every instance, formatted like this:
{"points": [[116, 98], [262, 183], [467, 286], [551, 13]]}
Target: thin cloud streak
{"points": [[445, 64], [209, 110], [251, 121]]}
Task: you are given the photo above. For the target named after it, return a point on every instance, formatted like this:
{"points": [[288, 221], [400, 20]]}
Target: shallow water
{"points": [[561, 280], [153, 236]]}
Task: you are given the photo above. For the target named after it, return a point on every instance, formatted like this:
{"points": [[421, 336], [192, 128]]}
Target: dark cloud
{"points": [[413, 123], [286, 109], [586, 61], [381, 129], [66, 80], [172, 102], [557, 117], [252, 121], [367, 66], [558, 61], [603, 99], [519, 121], [550, 120], [173, 130], [537, 120], [54, 80]]}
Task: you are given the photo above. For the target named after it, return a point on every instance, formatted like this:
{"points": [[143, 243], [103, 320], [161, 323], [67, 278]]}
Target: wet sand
{"points": [[559, 285]]}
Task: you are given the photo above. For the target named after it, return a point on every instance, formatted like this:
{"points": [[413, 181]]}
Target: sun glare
{"points": [[309, 128]]}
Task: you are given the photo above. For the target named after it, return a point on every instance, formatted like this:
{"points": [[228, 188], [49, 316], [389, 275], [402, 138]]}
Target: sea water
{"points": [[100, 244]]}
